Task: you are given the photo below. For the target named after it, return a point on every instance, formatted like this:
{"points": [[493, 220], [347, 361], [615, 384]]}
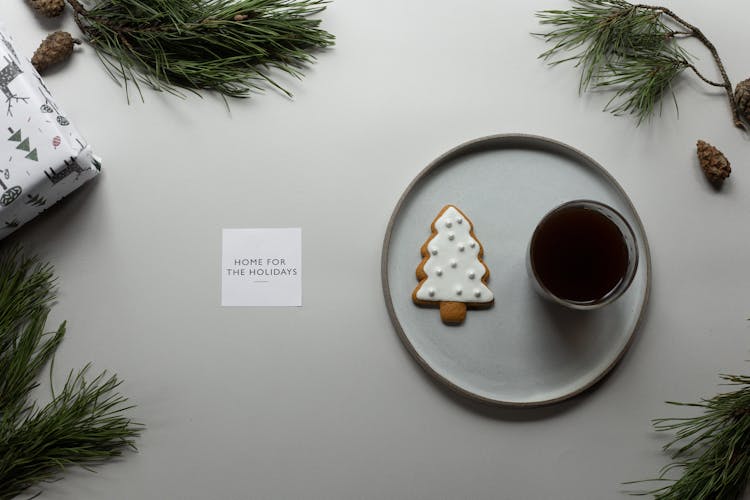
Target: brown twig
{"points": [[699, 75], [697, 33], [79, 11]]}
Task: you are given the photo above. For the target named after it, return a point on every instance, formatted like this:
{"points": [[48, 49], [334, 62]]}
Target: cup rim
{"points": [[613, 294]]}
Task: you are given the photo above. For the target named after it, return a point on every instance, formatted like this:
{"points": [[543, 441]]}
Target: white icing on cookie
{"points": [[452, 266]]}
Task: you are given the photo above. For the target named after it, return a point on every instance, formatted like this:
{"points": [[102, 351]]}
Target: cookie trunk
{"points": [[452, 312]]}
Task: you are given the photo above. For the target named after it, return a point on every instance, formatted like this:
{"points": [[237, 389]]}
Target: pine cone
{"points": [[56, 48], [49, 8], [713, 162], [742, 96]]}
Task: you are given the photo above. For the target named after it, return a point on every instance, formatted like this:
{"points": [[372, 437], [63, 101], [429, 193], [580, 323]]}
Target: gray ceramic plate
{"points": [[524, 351]]}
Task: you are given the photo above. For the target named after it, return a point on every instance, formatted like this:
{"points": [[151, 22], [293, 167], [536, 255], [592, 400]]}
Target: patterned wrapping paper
{"points": [[43, 157]]}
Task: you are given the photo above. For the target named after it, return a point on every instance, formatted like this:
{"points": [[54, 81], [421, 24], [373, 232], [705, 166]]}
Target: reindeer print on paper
{"points": [[7, 75], [70, 167]]}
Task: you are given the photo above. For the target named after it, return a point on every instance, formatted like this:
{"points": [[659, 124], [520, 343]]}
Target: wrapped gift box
{"points": [[44, 157]]}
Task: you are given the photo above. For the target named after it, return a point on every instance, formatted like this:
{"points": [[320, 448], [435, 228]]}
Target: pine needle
{"points": [[631, 49], [229, 46], [85, 422], [711, 450], [616, 44]]}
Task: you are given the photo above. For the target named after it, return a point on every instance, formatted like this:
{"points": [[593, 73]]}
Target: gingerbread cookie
{"points": [[452, 275]]}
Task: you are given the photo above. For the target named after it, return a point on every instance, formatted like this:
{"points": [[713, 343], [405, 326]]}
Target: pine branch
{"points": [[640, 84], [83, 425], [712, 450], [630, 48], [85, 422], [698, 34], [26, 292], [229, 46]]}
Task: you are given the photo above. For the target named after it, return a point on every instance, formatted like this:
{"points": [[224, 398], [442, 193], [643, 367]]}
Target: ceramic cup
{"points": [[583, 255]]}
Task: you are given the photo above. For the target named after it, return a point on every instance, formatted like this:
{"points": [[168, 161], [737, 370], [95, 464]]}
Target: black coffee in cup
{"points": [[579, 254]]}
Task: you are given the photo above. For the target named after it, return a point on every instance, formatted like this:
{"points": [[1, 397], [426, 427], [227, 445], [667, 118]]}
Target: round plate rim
{"points": [[489, 141]]}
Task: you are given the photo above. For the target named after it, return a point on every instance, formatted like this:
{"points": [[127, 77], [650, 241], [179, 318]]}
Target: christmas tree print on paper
{"points": [[452, 275], [23, 145], [36, 200], [11, 224]]}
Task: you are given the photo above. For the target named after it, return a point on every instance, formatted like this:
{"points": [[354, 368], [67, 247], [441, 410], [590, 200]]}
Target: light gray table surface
{"points": [[324, 401]]}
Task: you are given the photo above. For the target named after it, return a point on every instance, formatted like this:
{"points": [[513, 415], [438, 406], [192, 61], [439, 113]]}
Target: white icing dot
{"points": [[431, 292], [448, 223], [461, 247], [459, 291], [460, 220], [471, 274], [438, 271], [451, 236], [454, 263], [477, 293], [434, 251]]}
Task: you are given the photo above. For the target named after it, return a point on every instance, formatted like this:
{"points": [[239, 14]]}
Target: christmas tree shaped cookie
{"points": [[452, 275]]}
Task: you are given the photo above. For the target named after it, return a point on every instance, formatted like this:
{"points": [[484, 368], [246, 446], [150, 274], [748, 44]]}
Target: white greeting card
{"points": [[261, 267]]}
